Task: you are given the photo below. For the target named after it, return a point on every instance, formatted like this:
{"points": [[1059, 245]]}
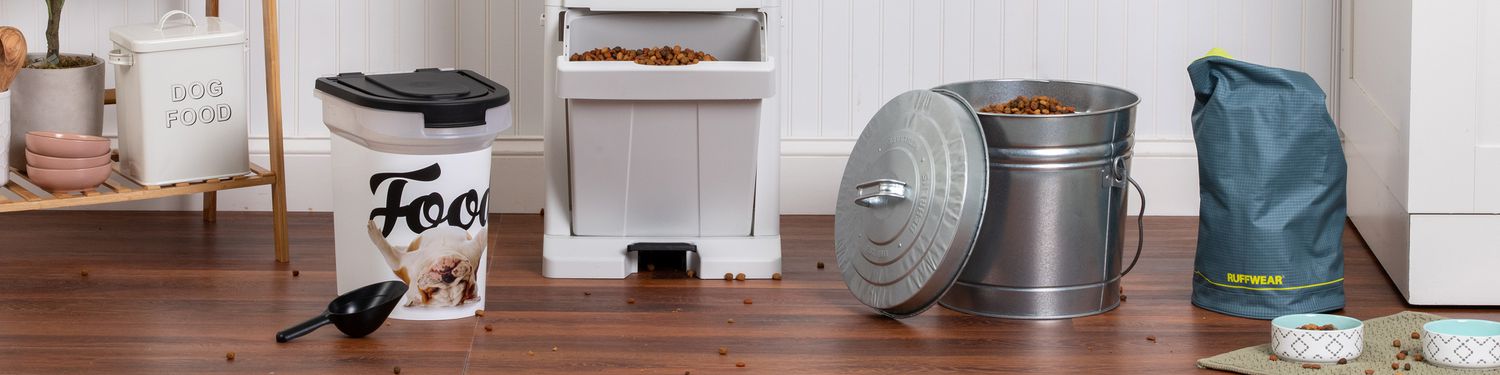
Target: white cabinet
{"points": [[1417, 81]]}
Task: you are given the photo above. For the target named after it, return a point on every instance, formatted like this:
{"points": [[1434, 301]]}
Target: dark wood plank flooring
{"points": [[167, 293]]}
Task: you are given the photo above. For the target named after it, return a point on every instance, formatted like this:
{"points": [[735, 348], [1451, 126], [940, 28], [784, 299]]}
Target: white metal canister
{"points": [[181, 92], [411, 177]]}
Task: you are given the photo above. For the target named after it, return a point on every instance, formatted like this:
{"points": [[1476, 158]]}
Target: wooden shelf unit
{"points": [[120, 189]]}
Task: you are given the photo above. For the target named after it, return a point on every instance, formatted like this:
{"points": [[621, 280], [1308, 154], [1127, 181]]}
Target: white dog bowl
{"points": [[1291, 343], [1462, 343]]}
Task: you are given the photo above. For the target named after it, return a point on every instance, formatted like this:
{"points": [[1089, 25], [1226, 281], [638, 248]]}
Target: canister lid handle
{"points": [[162, 23], [880, 193]]}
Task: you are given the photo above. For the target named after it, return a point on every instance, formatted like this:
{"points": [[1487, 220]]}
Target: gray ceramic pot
{"points": [[61, 100]]}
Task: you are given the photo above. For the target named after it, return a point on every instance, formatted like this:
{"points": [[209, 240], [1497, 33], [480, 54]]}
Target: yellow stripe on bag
{"points": [[1210, 281]]}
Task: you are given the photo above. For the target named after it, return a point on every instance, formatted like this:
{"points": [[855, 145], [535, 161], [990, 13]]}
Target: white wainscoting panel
{"points": [[841, 61]]}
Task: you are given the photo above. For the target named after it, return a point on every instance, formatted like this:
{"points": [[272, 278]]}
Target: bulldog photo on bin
{"points": [[445, 261]]}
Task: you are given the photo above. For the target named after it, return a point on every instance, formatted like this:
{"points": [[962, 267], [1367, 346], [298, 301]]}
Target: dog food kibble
{"points": [[296, 273], [1395, 366], [690, 274], [1406, 367], [1315, 327], [1343, 361], [820, 265], [1152, 339], [630, 301], [588, 293], [748, 301], [1415, 335], [1369, 371], [723, 351], [739, 364], [776, 276], [730, 321], [396, 370], [665, 55], [85, 273], [478, 312], [728, 276], [1401, 356], [1038, 105], [489, 328], [1416, 357], [740, 277], [229, 356], [1311, 366], [1396, 343], [530, 353], [1273, 358], [554, 348], [1122, 298]]}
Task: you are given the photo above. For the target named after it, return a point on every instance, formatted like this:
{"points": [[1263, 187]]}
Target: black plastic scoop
{"points": [[357, 313]]}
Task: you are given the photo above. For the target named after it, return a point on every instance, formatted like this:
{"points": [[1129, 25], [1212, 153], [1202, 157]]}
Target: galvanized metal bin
{"points": [[1049, 241]]}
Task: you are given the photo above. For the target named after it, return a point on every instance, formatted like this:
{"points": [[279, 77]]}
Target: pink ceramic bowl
{"points": [[48, 162], [66, 145], [64, 180]]}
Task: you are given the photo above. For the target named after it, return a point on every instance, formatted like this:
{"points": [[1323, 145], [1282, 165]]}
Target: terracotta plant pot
{"points": [[67, 100]]}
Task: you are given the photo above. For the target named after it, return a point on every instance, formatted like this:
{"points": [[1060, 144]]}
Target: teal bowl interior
{"points": [[1464, 327], [1298, 320]]}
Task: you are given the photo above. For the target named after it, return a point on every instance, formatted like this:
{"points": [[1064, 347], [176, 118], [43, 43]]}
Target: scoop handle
{"points": [[303, 328]]}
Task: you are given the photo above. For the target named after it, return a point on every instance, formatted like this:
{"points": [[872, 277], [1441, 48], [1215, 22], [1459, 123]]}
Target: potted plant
{"points": [[56, 91]]}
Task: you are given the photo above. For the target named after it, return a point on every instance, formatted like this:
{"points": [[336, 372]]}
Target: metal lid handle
{"points": [[880, 193], [162, 23]]}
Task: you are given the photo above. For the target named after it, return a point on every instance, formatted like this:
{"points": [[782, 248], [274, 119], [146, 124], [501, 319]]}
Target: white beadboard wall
{"points": [[842, 59]]}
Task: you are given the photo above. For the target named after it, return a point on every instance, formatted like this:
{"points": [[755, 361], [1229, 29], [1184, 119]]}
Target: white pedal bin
{"points": [[181, 89], [411, 184]]}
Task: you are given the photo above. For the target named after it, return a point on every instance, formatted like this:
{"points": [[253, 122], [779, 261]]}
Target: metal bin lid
{"points": [[911, 202]]}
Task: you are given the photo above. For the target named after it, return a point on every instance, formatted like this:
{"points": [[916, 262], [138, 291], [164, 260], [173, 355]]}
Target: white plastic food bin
{"points": [[663, 158], [411, 177], [181, 92]]}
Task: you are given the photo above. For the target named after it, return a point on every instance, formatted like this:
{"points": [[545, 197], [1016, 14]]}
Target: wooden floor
{"points": [[169, 294]]}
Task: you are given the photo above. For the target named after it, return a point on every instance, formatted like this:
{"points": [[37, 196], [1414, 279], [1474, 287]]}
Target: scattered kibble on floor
{"points": [[84, 273], [586, 293], [1151, 338], [630, 301], [1396, 343], [723, 351], [820, 265], [1395, 366], [229, 356], [478, 312], [1415, 335], [396, 370], [728, 276], [748, 301], [731, 321], [1406, 367], [554, 348], [740, 277], [776, 276], [1311, 366], [739, 364], [1343, 361], [296, 273], [1273, 358], [489, 328], [1369, 371]]}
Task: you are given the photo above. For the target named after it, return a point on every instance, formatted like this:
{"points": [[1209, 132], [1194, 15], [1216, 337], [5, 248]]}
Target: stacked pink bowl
{"points": [[64, 162]]}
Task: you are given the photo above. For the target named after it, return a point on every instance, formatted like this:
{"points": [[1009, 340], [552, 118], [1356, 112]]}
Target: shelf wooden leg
{"points": [[210, 206], [273, 108]]}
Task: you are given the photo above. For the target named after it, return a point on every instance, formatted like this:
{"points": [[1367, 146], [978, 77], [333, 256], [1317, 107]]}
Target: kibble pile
{"points": [[1037, 105], [664, 55]]}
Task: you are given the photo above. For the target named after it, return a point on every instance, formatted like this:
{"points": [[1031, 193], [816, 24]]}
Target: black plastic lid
{"points": [[446, 98]]}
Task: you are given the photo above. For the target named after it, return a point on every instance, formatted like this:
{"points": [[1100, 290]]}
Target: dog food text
{"points": [[192, 113], [427, 211]]}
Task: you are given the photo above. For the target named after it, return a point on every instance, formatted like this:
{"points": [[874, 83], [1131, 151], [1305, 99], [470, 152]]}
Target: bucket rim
{"points": [[1132, 94]]}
